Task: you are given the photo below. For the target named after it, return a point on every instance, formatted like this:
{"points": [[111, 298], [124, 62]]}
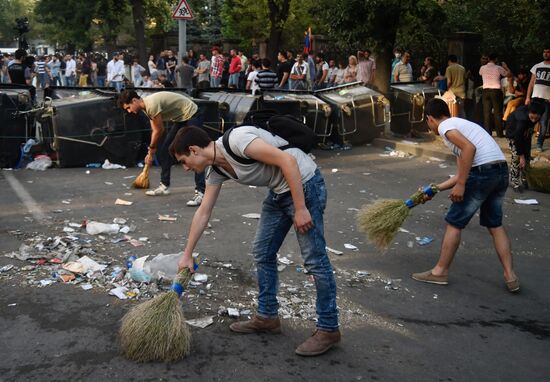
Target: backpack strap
{"points": [[226, 146], [220, 172]]}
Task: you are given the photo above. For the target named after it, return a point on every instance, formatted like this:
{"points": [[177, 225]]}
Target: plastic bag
{"points": [[95, 228], [40, 163]]}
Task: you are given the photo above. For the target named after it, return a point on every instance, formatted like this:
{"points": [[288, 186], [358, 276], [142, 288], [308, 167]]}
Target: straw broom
{"points": [[142, 180], [382, 219], [155, 330]]}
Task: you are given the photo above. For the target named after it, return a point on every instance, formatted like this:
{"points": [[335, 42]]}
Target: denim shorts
{"points": [[484, 191]]}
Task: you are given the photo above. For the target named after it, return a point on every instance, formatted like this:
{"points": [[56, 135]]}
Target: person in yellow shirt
{"points": [[160, 108]]}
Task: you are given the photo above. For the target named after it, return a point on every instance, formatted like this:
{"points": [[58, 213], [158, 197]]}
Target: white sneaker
{"points": [[197, 200], [160, 190]]}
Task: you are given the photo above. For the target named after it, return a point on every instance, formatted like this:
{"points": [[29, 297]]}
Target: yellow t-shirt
{"points": [[171, 106], [455, 74]]}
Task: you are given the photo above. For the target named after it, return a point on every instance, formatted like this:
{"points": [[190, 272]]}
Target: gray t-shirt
{"points": [[206, 75], [258, 173]]}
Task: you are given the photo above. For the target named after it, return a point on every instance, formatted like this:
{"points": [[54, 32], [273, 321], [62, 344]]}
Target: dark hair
{"points": [[126, 97], [283, 53], [452, 58], [185, 59], [321, 56], [20, 53], [289, 51], [523, 71], [255, 63], [186, 137], [437, 108], [536, 108], [493, 56], [266, 62], [368, 51]]}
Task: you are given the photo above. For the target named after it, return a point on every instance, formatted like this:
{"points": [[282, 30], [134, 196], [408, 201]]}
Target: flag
{"points": [[307, 41]]}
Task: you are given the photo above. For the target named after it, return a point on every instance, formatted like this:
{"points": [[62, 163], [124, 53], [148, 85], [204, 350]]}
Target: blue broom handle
{"points": [[427, 190], [177, 287]]}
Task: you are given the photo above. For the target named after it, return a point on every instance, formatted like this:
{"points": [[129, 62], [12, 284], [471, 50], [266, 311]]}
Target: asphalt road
{"points": [[393, 328]]}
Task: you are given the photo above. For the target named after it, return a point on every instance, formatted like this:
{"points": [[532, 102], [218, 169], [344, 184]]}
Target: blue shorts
{"points": [[484, 191]]}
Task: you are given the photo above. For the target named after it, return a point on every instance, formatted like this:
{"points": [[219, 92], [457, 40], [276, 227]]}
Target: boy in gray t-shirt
{"points": [[296, 197]]}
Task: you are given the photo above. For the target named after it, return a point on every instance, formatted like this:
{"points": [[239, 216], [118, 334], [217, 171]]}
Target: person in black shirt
{"points": [[283, 70], [19, 72], [519, 131], [101, 71]]}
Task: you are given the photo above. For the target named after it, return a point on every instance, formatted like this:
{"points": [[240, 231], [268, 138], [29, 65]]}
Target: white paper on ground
{"points": [[526, 201], [252, 215], [350, 246], [335, 251], [119, 292], [202, 322]]}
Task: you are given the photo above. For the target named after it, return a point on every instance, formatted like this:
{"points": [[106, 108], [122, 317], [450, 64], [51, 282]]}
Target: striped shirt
{"points": [[266, 79], [491, 73], [40, 67]]}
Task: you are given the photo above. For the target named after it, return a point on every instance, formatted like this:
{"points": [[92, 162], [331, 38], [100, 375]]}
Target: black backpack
{"points": [[291, 129]]}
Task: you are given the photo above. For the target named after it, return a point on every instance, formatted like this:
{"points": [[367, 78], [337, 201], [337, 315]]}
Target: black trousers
{"points": [[493, 100], [167, 160]]}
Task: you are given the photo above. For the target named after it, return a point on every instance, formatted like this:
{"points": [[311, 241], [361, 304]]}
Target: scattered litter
{"points": [[285, 260], [410, 244], [46, 282], [389, 152], [424, 240], [443, 165], [135, 243], [366, 173], [232, 312], [408, 142], [335, 251], [6, 268], [96, 228], [252, 216], [86, 286], [435, 159], [350, 246], [120, 221], [435, 296], [404, 230], [526, 201], [119, 292], [122, 202], [66, 201], [125, 229], [68, 229], [108, 183], [14, 304], [200, 277], [202, 322], [40, 163], [334, 170], [88, 172], [111, 166], [167, 218]]}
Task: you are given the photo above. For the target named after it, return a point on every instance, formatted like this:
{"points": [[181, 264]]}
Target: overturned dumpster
{"points": [[16, 123], [238, 104], [359, 113], [407, 107], [87, 126], [314, 111]]}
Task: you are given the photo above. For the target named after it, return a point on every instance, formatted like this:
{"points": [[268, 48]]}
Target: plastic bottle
{"points": [[95, 228], [136, 272], [93, 165], [163, 266]]}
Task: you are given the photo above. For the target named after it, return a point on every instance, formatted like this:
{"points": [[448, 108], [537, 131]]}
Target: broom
{"points": [[382, 219], [155, 330], [142, 180]]}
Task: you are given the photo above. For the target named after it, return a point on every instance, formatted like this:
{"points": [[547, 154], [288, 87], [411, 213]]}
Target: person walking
{"points": [[539, 91]]}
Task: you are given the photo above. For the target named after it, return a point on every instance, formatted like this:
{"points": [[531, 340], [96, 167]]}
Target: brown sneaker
{"points": [[428, 277], [257, 325], [320, 342]]}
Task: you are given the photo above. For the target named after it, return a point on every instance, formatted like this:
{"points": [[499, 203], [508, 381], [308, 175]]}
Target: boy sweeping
{"points": [[480, 184]]}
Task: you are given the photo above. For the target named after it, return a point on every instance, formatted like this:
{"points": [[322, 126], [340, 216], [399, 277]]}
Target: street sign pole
{"points": [[182, 45]]}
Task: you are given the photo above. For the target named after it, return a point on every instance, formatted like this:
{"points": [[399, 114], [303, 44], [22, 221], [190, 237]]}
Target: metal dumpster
{"points": [[313, 110], [407, 107], [87, 126], [238, 103], [16, 123], [359, 113]]}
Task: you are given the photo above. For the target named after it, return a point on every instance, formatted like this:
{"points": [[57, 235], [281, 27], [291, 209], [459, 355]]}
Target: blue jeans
{"points": [[101, 81], [234, 80], [277, 218], [543, 123], [484, 191], [69, 81], [215, 82], [118, 85]]}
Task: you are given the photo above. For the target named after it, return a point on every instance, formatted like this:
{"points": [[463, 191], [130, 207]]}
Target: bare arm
{"points": [[158, 129], [265, 153], [199, 224], [530, 89]]}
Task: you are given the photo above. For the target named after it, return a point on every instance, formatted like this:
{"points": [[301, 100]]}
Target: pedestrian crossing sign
{"points": [[182, 12]]}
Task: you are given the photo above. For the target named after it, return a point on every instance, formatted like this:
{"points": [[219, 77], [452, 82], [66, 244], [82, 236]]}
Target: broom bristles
{"points": [[142, 180], [156, 330], [382, 219]]}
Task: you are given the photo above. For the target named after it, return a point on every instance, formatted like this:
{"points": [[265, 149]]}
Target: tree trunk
{"points": [[384, 58], [278, 13], [139, 28]]}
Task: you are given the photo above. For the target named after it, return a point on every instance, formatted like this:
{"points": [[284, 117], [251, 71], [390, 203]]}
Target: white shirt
{"points": [[115, 70], [70, 68], [487, 150], [305, 69], [252, 77], [542, 81]]}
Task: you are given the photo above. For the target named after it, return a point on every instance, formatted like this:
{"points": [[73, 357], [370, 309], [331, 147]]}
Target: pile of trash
{"points": [[390, 152]]}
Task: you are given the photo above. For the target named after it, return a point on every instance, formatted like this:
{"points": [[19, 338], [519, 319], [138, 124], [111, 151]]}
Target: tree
{"points": [[381, 23]]}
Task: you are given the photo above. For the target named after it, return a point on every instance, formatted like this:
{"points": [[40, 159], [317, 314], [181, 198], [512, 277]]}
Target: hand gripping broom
{"points": [[142, 180], [382, 219], [155, 330]]}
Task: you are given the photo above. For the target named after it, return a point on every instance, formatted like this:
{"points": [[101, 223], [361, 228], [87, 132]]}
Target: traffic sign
{"points": [[183, 12]]}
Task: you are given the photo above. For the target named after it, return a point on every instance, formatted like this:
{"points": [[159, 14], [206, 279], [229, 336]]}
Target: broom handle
{"points": [[182, 279], [417, 198]]}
